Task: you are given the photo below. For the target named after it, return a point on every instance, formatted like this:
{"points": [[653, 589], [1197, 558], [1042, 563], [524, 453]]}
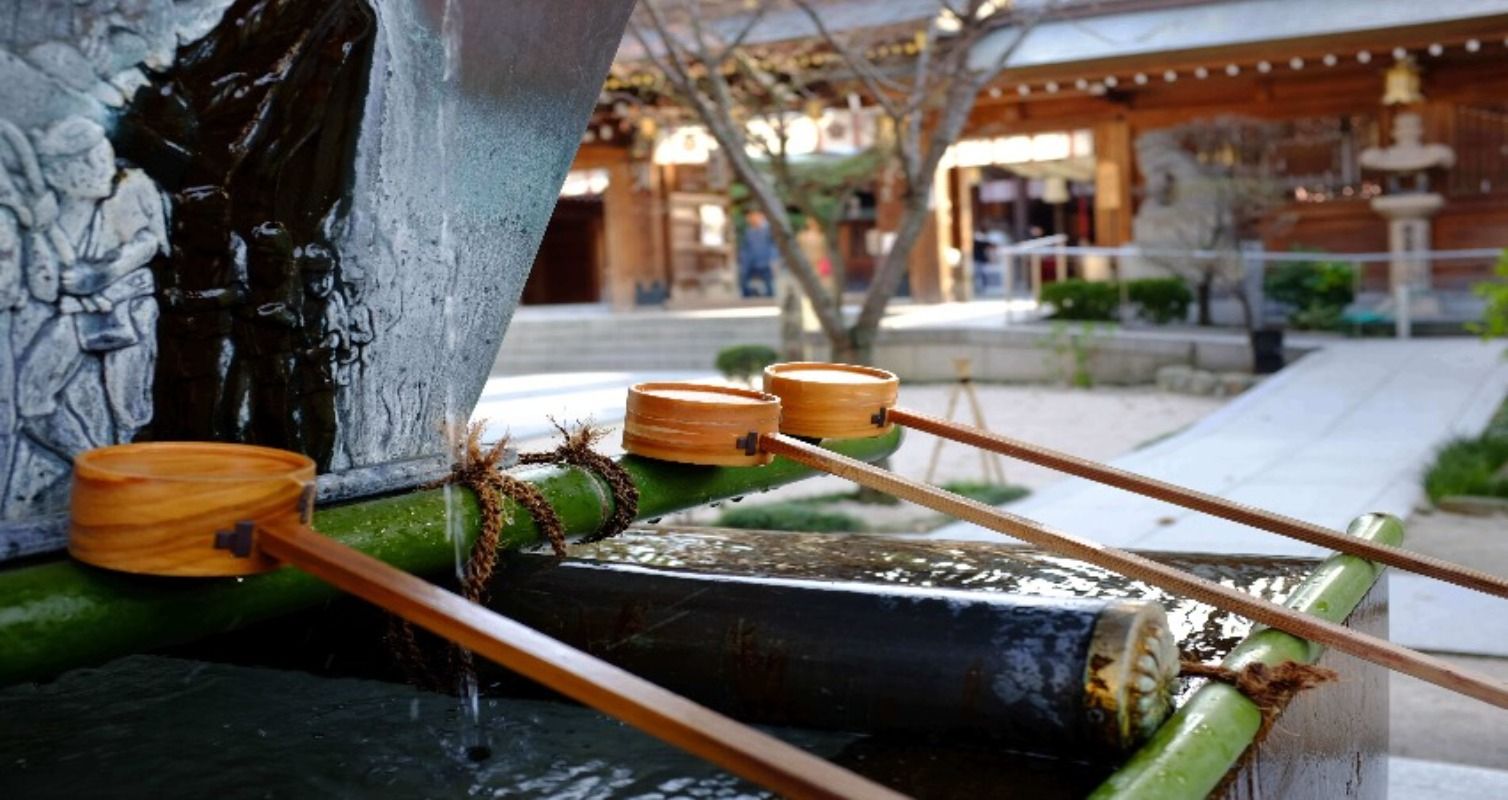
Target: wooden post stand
{"points": [[992, 471]]}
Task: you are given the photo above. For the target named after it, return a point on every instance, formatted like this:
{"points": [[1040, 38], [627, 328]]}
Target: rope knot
{"points": [[1269, 687], [576, 450], [480, 469]]}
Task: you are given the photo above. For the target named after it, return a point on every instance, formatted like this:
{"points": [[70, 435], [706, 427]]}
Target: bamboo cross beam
{"points": [[1369, 648], [740, 749], [1419, 563]]}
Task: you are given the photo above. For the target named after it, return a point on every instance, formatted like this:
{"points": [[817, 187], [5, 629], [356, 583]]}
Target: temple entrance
{"points": [[567, 269]]}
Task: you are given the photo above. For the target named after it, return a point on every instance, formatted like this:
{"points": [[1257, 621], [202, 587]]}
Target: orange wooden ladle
{"points": [[212, 509], [837, 400]]}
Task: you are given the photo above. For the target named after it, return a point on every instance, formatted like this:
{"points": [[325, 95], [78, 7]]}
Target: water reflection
{"points": [[1203, 632], [150, 726]]}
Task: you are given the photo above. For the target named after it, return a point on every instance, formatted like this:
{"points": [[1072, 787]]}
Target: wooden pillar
{"points": [[1114, 171], [931, 278], [962, 183], [633, 231]]}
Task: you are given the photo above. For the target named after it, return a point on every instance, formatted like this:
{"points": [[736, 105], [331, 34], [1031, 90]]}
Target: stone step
{"points": [[566, 342]]}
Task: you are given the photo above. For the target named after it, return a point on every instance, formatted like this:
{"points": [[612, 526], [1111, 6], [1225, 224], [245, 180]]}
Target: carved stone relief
{"points": [[79, 230], [293, 223], [253, 134], [171, 170]]}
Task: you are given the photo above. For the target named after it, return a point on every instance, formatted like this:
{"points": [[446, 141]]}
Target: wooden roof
{"points": [[1188, 34]]}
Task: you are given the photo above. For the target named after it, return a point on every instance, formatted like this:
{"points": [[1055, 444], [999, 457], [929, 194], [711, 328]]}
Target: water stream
{"points": [[473, 733]]}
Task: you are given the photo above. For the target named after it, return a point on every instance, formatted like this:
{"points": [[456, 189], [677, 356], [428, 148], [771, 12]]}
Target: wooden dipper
{"points": [[832, 401], [155, 508], [695, 423], [842, 417], [191, 508]]}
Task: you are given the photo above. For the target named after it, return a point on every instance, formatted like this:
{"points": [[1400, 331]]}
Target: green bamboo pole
{"points": [[62, 614], [1189, 755]]}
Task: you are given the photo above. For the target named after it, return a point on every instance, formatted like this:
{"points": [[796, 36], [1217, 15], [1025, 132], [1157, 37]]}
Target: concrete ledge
{"points": [[1474, 505], [919, 343], [1047, 353], [1413, 779]]}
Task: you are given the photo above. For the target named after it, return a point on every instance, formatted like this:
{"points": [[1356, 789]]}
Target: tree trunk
{"points": [[792, 333], [1202, 292]]}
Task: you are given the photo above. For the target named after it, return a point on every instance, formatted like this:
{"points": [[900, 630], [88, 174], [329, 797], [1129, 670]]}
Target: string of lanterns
{"points": [[911, 47], [1099, 86], [1233, 69]]}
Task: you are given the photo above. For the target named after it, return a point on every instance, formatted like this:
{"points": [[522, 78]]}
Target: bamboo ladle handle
{"points": [[1419, 563], [1369, 648], [760, 758]]}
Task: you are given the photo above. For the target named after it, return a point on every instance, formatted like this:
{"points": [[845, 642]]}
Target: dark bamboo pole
{"points": [[738, 748], [1419, 563], [1369, 648]]}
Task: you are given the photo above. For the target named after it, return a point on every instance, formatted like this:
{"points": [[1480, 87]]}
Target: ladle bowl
{"points": [[158, 508], [696, 423], [832, 401]]}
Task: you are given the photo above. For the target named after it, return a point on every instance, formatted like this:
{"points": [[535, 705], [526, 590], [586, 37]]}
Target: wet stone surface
{"points": [[1203, 632]]}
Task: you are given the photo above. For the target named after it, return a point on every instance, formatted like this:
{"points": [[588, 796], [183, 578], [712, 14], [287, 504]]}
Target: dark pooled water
{"points": [[153, 727]]}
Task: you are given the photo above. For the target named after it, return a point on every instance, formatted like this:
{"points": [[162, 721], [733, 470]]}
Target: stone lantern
{"points": [[1408, 203]]}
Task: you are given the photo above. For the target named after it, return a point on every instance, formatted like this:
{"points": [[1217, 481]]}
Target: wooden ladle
{"points": [[204, 509], [845, 401], [837, 399]]}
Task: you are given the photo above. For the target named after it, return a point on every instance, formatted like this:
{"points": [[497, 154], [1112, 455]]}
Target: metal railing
{"points": [[1427, 286]]}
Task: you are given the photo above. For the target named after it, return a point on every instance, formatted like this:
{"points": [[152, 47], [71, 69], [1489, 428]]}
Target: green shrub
{"points": [[1495, 315], [991, 494], [795, 516], [742, 362], [1473, 466], [1070, 352], [1468, 466], [1317, 292], [1082, 300], [1161, 300], [1320, 318]]}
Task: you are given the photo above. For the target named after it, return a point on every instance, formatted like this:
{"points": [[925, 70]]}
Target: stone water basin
{"points": [[306, 705]]}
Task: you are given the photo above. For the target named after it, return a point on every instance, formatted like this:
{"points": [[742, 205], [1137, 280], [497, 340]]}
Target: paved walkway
{"points": [[1344, 431]]}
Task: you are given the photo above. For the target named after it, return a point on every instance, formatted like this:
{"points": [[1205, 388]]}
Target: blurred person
{"points": [[756, 257]]}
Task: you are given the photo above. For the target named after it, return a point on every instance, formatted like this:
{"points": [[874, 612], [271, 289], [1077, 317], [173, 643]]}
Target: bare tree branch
{"points": [[927, 103], [874, 81]]}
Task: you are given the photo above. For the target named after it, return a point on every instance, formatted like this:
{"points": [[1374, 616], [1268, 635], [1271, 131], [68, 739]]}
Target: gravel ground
{"points": [[1099, 424]]}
